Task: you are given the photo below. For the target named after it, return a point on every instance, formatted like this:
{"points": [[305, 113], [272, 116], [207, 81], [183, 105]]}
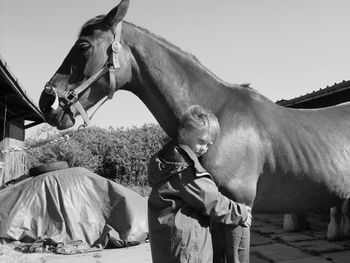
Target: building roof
{"points": [[15, 99], [331, 95]]}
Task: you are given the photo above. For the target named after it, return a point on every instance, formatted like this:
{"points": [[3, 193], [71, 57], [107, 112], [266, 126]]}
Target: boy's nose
{"points": [[204, 149]]}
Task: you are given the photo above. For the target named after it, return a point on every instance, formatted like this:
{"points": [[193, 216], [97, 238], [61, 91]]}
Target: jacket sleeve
{"points": [[202, 194]]}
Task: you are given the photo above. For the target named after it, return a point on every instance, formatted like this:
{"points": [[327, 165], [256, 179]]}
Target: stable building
{"points": [[17, 113], [329, 96]]}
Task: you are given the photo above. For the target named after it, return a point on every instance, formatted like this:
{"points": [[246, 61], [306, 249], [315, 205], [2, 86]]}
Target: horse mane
{"points": [[187, 54], [164, 41], [91, 23]]}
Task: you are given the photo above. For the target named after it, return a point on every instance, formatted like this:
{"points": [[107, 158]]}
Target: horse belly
{"points": [[241, 191], [290, 194]]}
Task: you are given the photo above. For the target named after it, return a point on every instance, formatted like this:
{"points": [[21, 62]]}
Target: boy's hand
{"points": [[248, 221]]}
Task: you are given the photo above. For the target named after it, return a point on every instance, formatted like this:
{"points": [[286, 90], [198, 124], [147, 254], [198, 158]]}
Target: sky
{"points": [[283, 48]]}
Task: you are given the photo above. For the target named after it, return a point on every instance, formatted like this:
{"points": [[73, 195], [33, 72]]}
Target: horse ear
{"points": [[117, 14]]}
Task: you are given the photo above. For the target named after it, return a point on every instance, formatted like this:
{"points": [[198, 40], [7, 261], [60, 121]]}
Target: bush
{"points": [[127, 157], [119, 154]]}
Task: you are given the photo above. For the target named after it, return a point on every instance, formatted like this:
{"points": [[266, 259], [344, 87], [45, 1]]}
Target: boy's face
{"points": [[198, 140]]}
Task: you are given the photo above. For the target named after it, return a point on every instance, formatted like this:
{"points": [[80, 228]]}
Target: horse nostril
{"points": [[49, 89]]}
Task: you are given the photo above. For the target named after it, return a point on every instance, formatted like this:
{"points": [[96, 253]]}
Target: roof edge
{"points": [[21, 92], [316, 94]]}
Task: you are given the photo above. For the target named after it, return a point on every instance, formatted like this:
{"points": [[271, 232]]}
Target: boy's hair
{"points": [[196, 117]]}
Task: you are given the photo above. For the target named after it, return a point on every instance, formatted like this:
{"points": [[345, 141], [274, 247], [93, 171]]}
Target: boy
{"points": [[184, 197]]}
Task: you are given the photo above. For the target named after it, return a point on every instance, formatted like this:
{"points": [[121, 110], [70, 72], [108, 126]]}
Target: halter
{"points": [[71, 96]]}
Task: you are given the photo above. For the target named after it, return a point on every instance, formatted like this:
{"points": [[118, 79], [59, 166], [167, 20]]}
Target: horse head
{"points": [[96, 66]]}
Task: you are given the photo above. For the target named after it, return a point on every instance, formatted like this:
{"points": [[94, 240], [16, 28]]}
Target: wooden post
{"points": [[13, 158], [12, 155]]}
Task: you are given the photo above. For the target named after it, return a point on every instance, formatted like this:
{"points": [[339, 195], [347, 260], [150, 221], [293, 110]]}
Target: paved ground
{"points": [[269, 244]]}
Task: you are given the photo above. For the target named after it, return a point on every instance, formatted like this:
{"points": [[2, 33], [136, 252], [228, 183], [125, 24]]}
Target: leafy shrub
{"points": [[119, 154]]}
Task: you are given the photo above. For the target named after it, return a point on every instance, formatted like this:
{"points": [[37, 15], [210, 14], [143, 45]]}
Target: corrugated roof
{"points": [[333, 92]]}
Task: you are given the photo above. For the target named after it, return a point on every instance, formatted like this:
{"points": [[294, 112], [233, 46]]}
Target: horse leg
{"points": [[334, 226], [345, 224], [295, 223]]}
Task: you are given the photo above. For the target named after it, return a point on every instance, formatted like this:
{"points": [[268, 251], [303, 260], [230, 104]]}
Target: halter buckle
{"points": [[116, 46], [82, 126], [70, 96]]}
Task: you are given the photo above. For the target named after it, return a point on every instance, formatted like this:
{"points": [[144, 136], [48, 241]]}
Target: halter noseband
{"points": [[71, 96]]}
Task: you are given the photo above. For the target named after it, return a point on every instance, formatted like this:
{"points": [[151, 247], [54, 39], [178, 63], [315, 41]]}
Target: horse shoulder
{"points": [[235, 161]]}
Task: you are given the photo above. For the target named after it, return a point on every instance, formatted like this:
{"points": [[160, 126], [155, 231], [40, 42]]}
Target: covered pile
{"points": [[72, 206]]}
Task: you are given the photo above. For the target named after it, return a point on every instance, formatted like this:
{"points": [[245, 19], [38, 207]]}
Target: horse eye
{"points": [[84, 46]]}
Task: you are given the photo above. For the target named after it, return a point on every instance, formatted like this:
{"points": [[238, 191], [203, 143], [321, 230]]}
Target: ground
{"points": [[269, 244]]}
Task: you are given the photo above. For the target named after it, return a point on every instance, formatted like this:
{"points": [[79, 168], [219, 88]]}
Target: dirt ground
{"points": [[137, 254], [268, 244]]}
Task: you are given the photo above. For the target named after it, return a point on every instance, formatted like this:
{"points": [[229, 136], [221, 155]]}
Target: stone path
{"points": [[270, 244]]}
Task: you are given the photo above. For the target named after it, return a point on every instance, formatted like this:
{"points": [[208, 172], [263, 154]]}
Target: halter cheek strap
{"points": [[71, 96]]}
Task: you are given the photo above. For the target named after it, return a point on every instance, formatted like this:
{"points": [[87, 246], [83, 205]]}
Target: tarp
{"points": [[72, 205]]}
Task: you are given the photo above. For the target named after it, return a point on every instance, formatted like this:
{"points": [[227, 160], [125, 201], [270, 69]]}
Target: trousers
{"points": [[230, 243]]}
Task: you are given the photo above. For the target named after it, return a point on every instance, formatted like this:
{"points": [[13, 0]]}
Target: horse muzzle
{"points": [[55, 107]]}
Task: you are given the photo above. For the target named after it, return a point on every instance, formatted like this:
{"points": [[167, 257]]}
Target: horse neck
{"points": [[168, 80]]}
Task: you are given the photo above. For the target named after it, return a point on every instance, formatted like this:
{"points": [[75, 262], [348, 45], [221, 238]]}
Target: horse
{"points": [[272, 158]]}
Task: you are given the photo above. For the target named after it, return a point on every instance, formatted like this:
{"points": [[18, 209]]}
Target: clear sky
{"points": [[284, 48]]}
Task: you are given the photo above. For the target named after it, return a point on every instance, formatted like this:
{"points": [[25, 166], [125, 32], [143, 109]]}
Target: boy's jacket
{"points": [[183, 200]]}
